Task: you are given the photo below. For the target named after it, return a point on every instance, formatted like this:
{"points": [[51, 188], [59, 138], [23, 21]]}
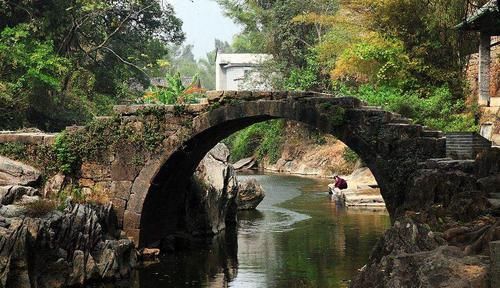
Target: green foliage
{"points": [[350, 156], [376, 60], [261, 139], [96, 142], [269, 27], [304, 78], [334, 114], [67, 158], [438, 110], [63, 61], [13, 150], [175, 92], [28, 69]]}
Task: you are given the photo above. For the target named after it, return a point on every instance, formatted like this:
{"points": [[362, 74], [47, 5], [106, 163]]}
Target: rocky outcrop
{"points": [[250, 194], [363, 190], [211, 200], [444, 229], [54, 185], [16, 173], [411, 255], [12, 193], [62, 249], [245, 163], [306, 152]]}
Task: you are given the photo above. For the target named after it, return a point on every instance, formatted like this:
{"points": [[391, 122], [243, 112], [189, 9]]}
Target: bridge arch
{"points": [[390, 148]]}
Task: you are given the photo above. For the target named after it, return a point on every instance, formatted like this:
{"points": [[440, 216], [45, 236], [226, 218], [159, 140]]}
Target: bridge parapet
{"points": [[32, 138], [216, 98]]}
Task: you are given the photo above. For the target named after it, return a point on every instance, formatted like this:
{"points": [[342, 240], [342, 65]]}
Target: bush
{"points": [[261, 139], [40, 207], [350, 156], [434, 106]]}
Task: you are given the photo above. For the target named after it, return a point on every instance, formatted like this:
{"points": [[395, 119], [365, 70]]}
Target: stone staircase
{"points": [[465, 145]]}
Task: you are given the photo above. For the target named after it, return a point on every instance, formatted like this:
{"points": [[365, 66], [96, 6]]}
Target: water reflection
{"points": [[296, 238], [211, 264]]}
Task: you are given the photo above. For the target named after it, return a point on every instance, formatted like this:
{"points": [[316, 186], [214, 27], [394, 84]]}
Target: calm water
{"points": [[296, 238]]}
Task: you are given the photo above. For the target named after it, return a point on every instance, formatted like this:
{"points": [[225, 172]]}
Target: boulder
{"points": [[54, 185], [16, 173], [411, 255], [245, 163], [12, 193], [63, 249], [490, 184], [211, 197], [11, 211], [250, 194]]}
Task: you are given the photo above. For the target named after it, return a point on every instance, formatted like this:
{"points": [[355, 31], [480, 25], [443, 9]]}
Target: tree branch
{"points": [[126, 62], [118, 28]]}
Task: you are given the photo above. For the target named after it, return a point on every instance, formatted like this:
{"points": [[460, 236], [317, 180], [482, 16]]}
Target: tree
{"points": [[109, 44]]}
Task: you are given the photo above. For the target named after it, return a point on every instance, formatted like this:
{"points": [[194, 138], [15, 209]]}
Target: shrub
{"points": [[434, 106], [350, 156], [261, 139], [40, 207]]}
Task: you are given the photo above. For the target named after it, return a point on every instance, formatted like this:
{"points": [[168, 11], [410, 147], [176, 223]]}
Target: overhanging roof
{"points": [[485, 19]]}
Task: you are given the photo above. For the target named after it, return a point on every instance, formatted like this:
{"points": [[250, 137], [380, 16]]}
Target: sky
{"points": [[203, 23]]}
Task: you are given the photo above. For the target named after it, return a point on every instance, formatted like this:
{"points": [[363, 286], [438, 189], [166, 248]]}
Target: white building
{"points": [[240, 71]]}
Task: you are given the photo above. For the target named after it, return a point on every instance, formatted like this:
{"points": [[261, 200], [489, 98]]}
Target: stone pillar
{"points": [[484, 69], [495, 263]]}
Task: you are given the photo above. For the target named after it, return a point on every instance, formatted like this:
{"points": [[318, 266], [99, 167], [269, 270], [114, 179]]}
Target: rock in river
{"points": [[250, 194], [211, 200]]}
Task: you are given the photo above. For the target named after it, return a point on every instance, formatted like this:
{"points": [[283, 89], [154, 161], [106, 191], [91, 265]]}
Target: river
{"points": [[296, 238]]}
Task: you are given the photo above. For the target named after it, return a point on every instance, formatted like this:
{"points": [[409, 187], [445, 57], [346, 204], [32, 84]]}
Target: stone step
{"points": [[372, 108], [432, 133], [494, 202], [495, 195], [401, 120]]}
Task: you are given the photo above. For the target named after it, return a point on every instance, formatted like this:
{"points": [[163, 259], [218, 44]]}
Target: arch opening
{"points": [[163, 210]]}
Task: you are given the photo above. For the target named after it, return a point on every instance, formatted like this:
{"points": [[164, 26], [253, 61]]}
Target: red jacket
{"points": [[341, 183]]}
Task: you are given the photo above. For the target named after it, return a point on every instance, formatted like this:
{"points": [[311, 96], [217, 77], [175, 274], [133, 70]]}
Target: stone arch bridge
{"points": [[146, 153]]}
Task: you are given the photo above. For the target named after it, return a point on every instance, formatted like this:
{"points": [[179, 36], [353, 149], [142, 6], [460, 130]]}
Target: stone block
{"points": [[131, 220], [103, 187], [244, 95], [495, 102], [279, 95], [214, 96], [119, 205], [124, 168], [95, 171], [228, 94], [133, 234], [84, 182], [136, 201], [267, 95], [121, 189]]}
